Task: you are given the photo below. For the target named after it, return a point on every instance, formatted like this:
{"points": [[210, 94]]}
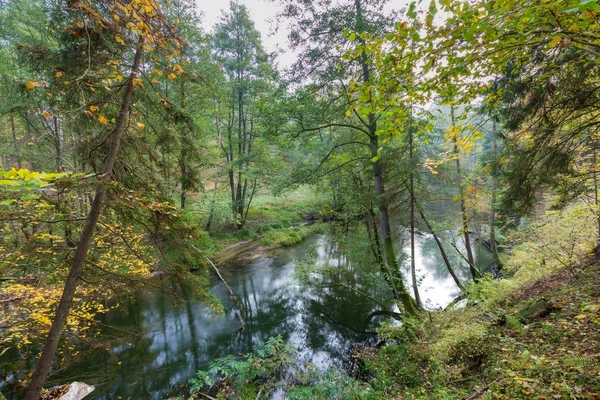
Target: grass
{"points": [[533, 335], [274, 218]]}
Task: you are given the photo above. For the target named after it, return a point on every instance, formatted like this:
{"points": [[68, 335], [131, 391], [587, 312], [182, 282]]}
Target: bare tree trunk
{"points": [[183, 153], [44, 363], [442, 251], [463, 206], [413, 269], [15, 141], [214, 199], [493, 245]]}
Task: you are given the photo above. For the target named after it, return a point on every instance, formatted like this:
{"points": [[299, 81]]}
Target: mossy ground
{"points": [[275, 219], [509, 351]]}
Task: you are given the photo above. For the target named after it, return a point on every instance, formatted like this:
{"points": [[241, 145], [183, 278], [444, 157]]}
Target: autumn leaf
{"points": [[119, 39], [103, 120], [93, 108], [46, 114], [172, 76], [141, 125], [137, 81], [32, 85], [58, 74]]}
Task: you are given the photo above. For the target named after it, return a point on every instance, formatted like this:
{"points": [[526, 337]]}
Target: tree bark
{"points": [[44, 363], [214, 199], [493, 245], [183, 153], [413, 269], [463, 207], [391, 264], [442, 251], [15, 141]]}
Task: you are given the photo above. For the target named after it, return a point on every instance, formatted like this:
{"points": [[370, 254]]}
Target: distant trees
{"points": [[237, 45]]}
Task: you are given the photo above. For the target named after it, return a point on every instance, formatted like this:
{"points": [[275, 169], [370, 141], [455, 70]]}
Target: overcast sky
{"points": [[262, 12]]}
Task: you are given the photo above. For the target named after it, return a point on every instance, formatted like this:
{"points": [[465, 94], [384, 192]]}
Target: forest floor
{"points": [[273, 221], [542, 341]]}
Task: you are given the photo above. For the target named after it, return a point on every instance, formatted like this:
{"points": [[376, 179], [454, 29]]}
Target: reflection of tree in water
{"points": [[184, 337], [338, 316]]}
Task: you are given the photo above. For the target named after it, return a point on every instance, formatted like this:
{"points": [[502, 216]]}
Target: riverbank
{"points": [[533, 334], [541, 341]]}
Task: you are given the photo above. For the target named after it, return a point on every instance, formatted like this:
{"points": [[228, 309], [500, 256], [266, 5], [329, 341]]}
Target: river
{"points": [[180, 338]]}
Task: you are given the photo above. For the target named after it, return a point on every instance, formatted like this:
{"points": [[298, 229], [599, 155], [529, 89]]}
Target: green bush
{"points": [[264, 367]]}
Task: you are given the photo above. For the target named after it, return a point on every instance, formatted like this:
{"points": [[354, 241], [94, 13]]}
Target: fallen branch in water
{"points": [[231, 294], [207, 396]]}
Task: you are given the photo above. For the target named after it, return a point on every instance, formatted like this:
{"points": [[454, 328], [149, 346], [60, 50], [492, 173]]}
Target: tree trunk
{"points": [[442, 251], [44, 363], [183, 153], [214, 199], [463, 207], [493, 245], [15, 141], [413, 269], [391, 264]]}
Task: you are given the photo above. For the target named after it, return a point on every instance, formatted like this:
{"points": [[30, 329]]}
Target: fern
{"points": [[580, 361], [514, 323]]}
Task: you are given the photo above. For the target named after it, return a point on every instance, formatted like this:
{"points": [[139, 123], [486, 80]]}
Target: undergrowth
{"points": [[533, 334]]}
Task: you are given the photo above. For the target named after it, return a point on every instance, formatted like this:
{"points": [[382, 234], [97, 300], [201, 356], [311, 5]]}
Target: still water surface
{"points": [[181, 338]]}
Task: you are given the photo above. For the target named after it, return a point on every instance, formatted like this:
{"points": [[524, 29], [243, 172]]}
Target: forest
{"points": [[408, 209]]}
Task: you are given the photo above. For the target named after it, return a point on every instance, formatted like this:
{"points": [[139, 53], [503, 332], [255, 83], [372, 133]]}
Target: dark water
{"points": [[182, 338]]}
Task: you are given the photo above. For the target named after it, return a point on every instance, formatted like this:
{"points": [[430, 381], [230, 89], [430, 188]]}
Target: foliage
{"points": [[266, 366]]}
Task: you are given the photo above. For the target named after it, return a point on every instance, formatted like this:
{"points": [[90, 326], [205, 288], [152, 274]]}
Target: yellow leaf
{"points": [[141, 125], [93, 108], [32, 85], [137, 81], [102, 120], [172, 76], [59, 74], [555, 41], [46, 114], [119, 39], [581, 316]]}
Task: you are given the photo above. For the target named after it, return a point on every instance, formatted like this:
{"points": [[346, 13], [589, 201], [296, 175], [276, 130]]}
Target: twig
{"points": [[233, 297], [477, 393], [207, 396]]}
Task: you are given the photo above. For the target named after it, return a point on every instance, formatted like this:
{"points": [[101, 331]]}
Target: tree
{"points": [[105, 22], [237, 45], [317, 32]]}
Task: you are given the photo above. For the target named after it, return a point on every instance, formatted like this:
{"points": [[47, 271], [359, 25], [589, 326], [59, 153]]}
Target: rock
{"points": [[539, 309], [74, 391]]}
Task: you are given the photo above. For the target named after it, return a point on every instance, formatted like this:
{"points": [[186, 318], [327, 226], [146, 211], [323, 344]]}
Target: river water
{"points": [[179, 339]]}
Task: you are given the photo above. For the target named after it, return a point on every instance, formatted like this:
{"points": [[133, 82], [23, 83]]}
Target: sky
{"points": [[261, 12]]}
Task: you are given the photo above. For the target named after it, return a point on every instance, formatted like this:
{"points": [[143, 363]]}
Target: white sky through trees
{"points": [[263, 13]]}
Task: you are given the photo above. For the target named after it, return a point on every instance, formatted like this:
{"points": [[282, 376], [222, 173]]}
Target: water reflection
{"points": [[181, 338]]}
